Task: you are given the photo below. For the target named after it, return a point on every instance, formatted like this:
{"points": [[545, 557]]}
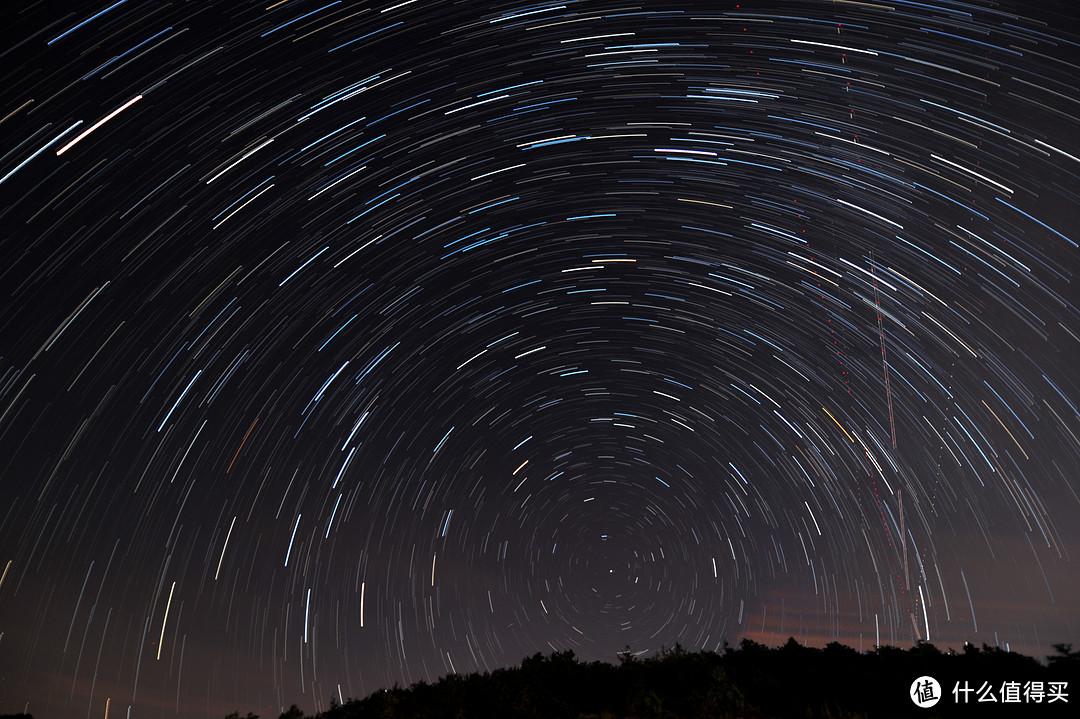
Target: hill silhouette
{"points": [[750, 680]]}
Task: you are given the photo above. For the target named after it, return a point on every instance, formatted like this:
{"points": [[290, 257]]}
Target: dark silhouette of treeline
{"points": [[752, 681]]}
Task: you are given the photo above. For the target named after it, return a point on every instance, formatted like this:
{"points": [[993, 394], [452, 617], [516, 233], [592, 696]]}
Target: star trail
{"points": [[349, 343]]}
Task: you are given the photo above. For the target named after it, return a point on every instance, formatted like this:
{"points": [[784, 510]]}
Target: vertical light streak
{"points": [[289, 552], [884, 359], [220, 559], [926, 620], [307, 609], [970, 604], [165, 620]]}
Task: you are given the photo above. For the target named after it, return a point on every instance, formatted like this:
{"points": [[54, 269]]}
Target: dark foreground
{"points": [[752, 681]]}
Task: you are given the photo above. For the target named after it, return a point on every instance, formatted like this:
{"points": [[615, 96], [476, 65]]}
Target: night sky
{"points": [[346, 344]]}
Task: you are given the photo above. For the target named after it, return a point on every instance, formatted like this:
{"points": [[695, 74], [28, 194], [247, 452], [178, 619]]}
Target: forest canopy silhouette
{"points": [[749, 680]]}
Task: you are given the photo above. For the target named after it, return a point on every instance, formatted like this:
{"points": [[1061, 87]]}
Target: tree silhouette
{"points": [[752, 681]]}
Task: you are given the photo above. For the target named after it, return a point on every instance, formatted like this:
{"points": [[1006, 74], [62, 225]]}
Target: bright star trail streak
{"points": [[591, 306]]}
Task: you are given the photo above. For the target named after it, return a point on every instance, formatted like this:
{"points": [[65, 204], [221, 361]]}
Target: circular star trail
{"points": [[346, 344]]}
